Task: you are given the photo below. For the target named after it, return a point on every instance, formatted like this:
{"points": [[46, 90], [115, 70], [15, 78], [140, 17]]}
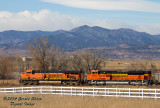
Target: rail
{"points": [[85, 91]]}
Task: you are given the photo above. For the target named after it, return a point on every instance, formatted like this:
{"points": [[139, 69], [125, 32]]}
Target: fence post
{"points": [[71, 90], [155, 93], [32, 89], [129, 92], [142, 93], [41, 90], [76, 90], [51, 90], [93, 91], [82, 91], [22, 90], [105, 92], [150, 92], [108, 91], [116, 92], [61, 90]]}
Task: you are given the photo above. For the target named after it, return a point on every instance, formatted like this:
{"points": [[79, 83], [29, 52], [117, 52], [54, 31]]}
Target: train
{"points": [[95, 77], [114, 77]]}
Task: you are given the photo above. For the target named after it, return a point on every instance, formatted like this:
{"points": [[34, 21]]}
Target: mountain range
{"points": [[115, 43]]}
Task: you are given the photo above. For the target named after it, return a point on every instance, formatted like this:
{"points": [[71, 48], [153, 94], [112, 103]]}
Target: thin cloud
{"points": [[42, 20], [130, 5], [152, 28], [47, 20]]}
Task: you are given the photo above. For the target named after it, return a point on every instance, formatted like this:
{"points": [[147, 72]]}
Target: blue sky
{"points": [[51, 15]]}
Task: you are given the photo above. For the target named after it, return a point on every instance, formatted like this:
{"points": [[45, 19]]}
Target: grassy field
{"points": [[58, 101], [120, 64], [9, 83]]}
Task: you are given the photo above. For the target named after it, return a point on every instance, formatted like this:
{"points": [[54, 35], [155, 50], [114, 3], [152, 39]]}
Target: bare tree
{"points": [[6, 67], [138, 66], [153, 71], [57, 59], [40, 51], [86, 61], [63, 62], [93, 59], [46, 56], [54, 55], [78, 61]]}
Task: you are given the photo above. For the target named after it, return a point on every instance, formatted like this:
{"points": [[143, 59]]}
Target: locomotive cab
{"points": [[27, 74], [93, 75], [95, 72], [30, 78]]}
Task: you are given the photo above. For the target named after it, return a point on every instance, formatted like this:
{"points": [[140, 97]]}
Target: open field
{"points": [[58, 101], [124, 64], [9, 83]]}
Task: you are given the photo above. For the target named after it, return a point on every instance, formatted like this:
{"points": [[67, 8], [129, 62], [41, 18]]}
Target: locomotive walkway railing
{"points": [[84, 91]]}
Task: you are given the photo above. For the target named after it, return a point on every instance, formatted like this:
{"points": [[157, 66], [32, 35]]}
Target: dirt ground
{"points": [[58, 101]]}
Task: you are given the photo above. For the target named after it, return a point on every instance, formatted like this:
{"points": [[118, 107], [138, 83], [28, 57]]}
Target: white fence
{"points": [[84, 91]]}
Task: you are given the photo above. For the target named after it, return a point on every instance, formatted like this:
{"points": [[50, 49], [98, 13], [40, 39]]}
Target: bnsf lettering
{"points": [[54, 75]]}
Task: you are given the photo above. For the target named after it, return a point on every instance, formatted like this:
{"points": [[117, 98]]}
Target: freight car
{"points": [[96, 77], [66, 77]]}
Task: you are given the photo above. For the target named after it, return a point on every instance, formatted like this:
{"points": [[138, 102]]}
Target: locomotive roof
{"points": [[55, 71], [133, 72]]}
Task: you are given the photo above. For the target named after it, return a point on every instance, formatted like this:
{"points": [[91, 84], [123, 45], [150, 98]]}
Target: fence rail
{"points": [[84, 91]]}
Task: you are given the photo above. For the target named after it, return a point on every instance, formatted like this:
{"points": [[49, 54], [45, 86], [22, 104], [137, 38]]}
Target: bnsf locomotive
{"points": [[114, 77], [66, 77], [96, 77]]}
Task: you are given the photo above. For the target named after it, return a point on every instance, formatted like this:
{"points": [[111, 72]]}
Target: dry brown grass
{"points": [[120, 64], [58, 101], [15, 82], [9, 83]]}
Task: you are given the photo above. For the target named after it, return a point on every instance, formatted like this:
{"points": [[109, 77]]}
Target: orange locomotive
{"points": [[96, 77], [66, 77], [114, 77]]}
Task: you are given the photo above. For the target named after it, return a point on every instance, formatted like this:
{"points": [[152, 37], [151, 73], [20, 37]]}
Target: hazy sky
{"points": [[51, 15]]}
